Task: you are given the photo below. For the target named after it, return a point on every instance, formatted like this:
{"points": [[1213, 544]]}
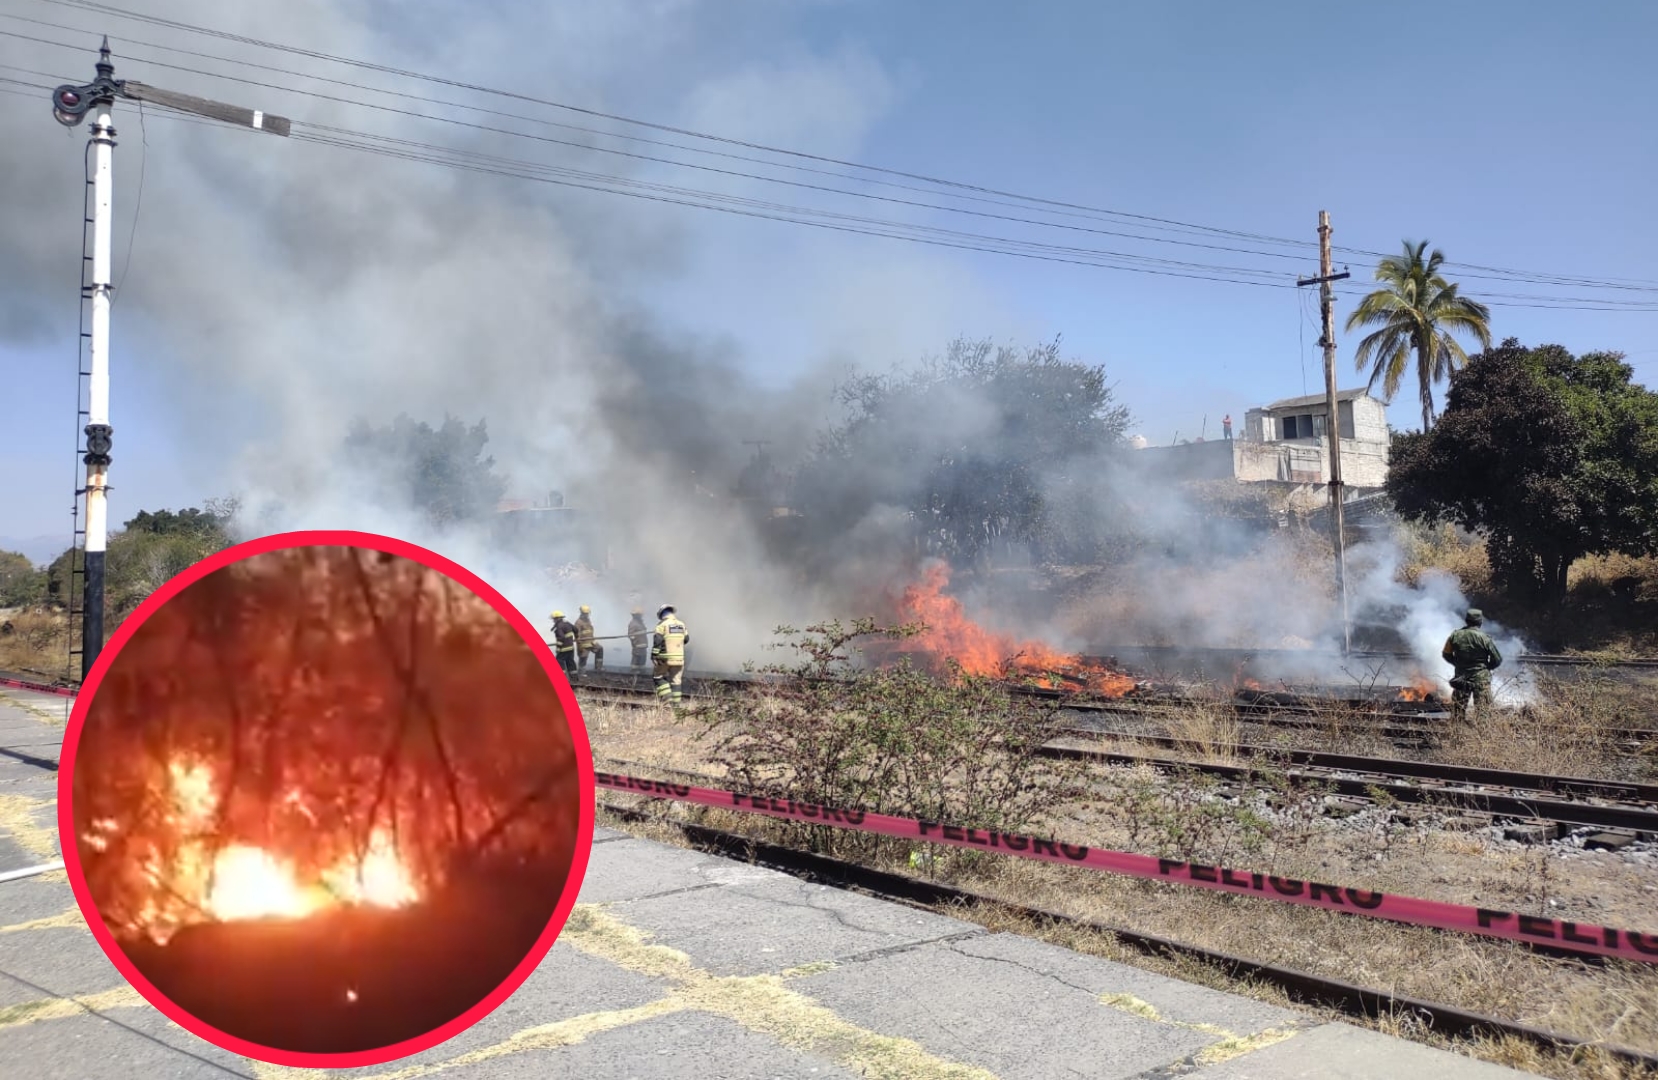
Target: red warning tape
{"points": [[1578, 937], [37, 687]]}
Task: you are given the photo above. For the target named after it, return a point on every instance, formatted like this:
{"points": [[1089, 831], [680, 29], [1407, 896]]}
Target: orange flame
{"points": [[1420, 689], [950, 634], [241, 881]]}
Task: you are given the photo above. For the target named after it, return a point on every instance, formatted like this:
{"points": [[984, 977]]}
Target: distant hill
{"points": [[40, 549]]}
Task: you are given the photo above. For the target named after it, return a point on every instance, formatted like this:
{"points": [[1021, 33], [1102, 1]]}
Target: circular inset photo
{"points": [[324, 799]]}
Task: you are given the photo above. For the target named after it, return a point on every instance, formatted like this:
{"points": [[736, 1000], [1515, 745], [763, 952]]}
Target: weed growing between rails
{"points": [[1568, 729], [894, 740]]}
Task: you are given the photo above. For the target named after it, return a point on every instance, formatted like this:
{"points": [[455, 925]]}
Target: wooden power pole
{"points": [[1332, 420]]}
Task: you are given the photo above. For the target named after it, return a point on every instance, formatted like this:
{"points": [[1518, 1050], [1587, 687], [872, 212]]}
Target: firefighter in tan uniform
{"points": [[668, 651], [585, 644], [639, 638]]}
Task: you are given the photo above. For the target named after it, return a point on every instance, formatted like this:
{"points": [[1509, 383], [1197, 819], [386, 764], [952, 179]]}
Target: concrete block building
{"points": [[1286, 444]]}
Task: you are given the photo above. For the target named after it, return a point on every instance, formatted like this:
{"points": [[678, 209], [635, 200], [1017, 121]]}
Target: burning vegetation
{"points": [[344, 774], [949, 635]]}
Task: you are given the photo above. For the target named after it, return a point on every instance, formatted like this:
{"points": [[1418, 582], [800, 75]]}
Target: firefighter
{"points": [[586, 645], [564, 643], [1473, 656], [638, 637], [668, 651]]}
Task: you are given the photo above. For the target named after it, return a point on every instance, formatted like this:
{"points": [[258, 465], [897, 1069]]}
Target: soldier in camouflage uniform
{"points": [[1473, 656]]}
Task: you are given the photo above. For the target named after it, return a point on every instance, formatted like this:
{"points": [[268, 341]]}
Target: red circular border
{"points": [[578, 740]]}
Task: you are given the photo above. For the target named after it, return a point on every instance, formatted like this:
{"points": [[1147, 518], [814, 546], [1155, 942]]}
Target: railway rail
{"points": [[1565, 801], [1173, 653], [1396, 780], [1347, 998], [1405, 721]]}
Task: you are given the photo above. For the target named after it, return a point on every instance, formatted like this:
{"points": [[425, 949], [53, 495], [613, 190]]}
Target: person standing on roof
{"points": [[1226, 426], [1473, 656], [564, 643], [586, 645], [639, 637], [668, 651]]}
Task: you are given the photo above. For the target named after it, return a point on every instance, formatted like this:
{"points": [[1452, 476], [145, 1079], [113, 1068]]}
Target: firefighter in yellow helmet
{"points": [[585, 644], [638, 637], [668, 651], [564, 643]]}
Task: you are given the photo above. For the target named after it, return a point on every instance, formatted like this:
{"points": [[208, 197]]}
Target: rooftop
{"points": [[1315, 399]]}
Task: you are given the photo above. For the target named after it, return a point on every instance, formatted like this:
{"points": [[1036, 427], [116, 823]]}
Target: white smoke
{"points": [[1425, 614]]}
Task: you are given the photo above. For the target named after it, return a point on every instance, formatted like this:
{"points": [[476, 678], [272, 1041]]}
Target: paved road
{"points": [[683, 966]]}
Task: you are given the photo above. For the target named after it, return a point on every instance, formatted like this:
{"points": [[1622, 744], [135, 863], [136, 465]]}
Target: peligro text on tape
{"points": [[1579, 937]]}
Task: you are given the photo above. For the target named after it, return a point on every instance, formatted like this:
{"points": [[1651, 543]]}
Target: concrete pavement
{"points": [[683, 965]]}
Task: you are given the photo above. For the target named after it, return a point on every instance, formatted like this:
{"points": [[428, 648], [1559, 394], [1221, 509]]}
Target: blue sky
{"points": [[1511, 134]]}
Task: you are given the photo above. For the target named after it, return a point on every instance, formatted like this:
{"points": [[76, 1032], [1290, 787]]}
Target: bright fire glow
{"points": [[1420, 689], [380, 880], [951, 634], [248, 882]]}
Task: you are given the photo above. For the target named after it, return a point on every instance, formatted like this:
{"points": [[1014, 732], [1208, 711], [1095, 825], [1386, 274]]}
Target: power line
{"points": [[640, 157], [429, 148], [472, 161], [412, 150], [111, 10], [1087, 214]]}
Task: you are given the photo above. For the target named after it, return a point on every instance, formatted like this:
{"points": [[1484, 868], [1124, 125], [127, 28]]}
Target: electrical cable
{"points": [[111, 10], [413, 150]]}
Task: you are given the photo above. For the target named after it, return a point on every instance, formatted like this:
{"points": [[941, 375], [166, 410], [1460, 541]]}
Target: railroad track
{"points": [[1301, 986], [1171, 653], [1565, 801], [1573, 802], [1409, 722]]}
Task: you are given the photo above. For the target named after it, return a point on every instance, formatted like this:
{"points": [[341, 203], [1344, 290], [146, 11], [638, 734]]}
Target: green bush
{"points": [[895, 740]]}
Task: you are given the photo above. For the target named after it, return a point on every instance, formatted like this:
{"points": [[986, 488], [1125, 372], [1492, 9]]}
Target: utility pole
{"points": [[70, 106], [1332, 419]]}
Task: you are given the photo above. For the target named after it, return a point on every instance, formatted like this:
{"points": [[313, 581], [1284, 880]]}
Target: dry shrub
{"points": [[1445, 547], [1211, 727], [1567, 731], [893, 740], [1615, 575], [38, 643]]}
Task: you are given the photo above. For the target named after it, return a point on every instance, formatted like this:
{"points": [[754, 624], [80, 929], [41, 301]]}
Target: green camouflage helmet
{"points": [[1475, 616]]}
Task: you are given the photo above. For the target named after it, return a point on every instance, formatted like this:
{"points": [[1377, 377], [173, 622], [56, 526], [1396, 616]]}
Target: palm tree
{"points": [[1416, 310]]}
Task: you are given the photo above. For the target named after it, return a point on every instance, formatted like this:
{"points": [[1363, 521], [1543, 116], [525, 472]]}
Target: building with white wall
{"points": [[1286, 443]]}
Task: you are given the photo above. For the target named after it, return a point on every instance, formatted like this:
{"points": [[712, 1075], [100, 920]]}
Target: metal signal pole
{"points": [[70, 106], [1332, 420]]}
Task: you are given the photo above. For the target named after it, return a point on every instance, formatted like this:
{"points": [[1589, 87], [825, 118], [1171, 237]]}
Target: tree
{"points": [[152, 548], [440, 471], [1416, 311], [1548, 456], [967, 446], [21, 583]]}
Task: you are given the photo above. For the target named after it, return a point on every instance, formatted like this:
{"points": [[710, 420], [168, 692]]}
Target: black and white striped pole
{"points": [[70, 106]]}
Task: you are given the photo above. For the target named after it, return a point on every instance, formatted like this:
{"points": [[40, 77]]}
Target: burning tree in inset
{"points": [[315, 728]]}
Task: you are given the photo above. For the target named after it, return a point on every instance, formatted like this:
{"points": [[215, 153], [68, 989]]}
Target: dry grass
{"points": [[1566, 731], [1617, 1002], [1448, 548], [1212, 727], [1613, 574], [38, 642]]}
